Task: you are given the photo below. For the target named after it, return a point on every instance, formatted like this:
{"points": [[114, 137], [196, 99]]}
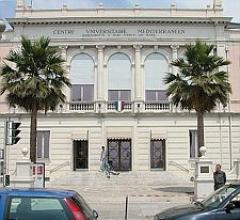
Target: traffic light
{"points": [[6, 180], [13, 132]]}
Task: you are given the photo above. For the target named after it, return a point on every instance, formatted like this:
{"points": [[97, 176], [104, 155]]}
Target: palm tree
{"points": [[199, 85], [35, 81]]}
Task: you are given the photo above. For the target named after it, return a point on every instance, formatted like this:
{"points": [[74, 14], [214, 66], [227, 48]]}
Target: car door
{"points": [[230, 214]]}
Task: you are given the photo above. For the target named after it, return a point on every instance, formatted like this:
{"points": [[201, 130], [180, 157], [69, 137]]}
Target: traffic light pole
{"points": [[5, 151], [11, 133]]}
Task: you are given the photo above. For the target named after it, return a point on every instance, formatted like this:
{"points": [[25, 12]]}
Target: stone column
{"points": [[138, 80], [100, 62], [174, 69], [174, 57], [100, 79], [222, 51]]}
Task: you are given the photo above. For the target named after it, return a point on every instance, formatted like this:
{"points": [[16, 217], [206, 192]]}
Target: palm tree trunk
{"points": [[33, 134], [200, 129]]}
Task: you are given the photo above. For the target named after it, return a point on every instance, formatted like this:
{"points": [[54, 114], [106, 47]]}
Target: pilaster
{"points": [[138, 79], [174, 57], [100, 79], [66, 66]]}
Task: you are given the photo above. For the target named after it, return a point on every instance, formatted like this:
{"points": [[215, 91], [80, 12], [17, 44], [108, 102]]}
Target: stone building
{"points": [[116, 60]]}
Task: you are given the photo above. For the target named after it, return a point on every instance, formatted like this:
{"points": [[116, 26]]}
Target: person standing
{"points": [[219, 177], [104, 166], [103, 159]]}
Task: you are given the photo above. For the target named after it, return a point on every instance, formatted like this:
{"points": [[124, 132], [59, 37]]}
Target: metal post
{"points": [[126, 208], [5, 142], [5, 152]]}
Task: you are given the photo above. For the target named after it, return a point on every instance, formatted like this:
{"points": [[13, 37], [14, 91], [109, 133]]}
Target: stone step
{"points": [[124, 179]]}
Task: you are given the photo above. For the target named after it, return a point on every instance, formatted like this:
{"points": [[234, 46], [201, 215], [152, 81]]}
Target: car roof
{"points": [[37, 192]]}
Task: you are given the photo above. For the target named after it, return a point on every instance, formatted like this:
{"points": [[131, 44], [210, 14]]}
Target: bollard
{"points": [[126, 208]]}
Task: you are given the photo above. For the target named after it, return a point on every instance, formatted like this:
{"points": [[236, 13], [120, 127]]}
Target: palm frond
{"points": [[198, 85], [40, 77]]}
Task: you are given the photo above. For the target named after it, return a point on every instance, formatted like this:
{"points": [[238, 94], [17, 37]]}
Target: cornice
{"points": [[117, 20], [117, 115]]}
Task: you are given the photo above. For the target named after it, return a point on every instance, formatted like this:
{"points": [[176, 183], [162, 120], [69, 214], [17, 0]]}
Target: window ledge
{"points": [[45, 160]]}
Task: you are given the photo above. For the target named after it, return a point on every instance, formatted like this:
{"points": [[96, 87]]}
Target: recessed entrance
{"points": [[158, 154], [120, 154], [80, 155]]}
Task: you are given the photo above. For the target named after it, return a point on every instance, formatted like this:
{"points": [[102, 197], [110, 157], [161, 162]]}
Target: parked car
{"points": [[43, 204], [224, 204]]}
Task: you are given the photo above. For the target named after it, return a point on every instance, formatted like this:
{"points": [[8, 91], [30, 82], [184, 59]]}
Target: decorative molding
{"points": [[112, 51], [137, 47], [100, 47], [160, 50], [64, 20], [72, 52], [174, 47], [63, 49], [82, 47]]}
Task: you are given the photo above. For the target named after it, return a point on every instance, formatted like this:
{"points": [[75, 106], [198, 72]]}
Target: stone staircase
{"points": [[99, 179]]}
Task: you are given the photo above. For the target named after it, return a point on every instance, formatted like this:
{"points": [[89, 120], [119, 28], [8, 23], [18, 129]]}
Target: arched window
{"points": [[82, 78], [155, 68], [119, 78]]}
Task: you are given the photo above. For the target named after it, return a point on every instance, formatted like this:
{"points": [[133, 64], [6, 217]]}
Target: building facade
{"points": [[116, 60]]}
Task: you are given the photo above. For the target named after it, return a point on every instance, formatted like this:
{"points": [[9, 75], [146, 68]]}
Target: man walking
{"points": [[219, 177]]}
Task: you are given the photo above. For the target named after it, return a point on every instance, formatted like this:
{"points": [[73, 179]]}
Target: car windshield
{"points": [[216, 198]]}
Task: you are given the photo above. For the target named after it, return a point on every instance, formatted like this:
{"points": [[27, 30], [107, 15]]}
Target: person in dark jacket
{"points": [[219, 177]]}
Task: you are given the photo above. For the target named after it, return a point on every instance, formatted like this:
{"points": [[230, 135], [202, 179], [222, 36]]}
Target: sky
{"points": [[231, 7]]}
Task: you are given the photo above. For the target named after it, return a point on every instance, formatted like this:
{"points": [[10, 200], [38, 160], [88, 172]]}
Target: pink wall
{"points": [[234, 76], [4, 50]]}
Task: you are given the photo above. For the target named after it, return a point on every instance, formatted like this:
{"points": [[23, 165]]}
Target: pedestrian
{"points": [[104, 167], [103, 159], [219, 177]]}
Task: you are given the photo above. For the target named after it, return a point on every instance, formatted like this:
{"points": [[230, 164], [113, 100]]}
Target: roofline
{"points": [[233, 26], [30, 9], [77, 20]]}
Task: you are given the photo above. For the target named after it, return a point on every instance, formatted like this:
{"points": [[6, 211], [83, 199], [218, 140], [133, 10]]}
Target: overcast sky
{"points": [[231, 7]]}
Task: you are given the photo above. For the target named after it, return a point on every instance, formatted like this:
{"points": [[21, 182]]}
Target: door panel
{"points": [[80, 154], [158, 154], [119, 153], [125, 159], [113, 154]]}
